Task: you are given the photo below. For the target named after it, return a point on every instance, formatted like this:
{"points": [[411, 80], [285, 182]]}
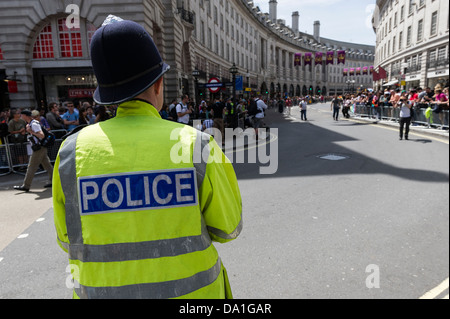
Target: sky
{"points": [[341, 20]]}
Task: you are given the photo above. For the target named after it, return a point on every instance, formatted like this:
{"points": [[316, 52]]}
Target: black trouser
{"points": [[405, 121], [336, 113]]}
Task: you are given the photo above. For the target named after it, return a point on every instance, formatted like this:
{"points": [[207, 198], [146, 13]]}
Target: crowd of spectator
{"points": [[431, 101], [62, 118]]}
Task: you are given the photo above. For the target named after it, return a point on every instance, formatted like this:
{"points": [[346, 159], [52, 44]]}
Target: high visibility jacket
{"points": [[137, 204]]}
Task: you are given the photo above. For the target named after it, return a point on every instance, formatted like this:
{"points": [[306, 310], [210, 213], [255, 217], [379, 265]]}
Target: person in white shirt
{"points": [[258, 119], [183, 110], [39, 155], [303, 109]]}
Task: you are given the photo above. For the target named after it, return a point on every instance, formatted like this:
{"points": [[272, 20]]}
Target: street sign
{"points": [[214, 85], [239, 83]]}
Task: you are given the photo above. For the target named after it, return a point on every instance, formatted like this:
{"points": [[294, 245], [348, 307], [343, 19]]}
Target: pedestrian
{"points": [[405, 117], [303, 109], [218, 112], [441, 100], [336, 104], [53, 118], [39, 154], [136, 216], [71, 117], [258, 120], [184, 110]]}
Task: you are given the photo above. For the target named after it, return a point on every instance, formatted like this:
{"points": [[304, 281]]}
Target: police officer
{"points": [[138, 200]]}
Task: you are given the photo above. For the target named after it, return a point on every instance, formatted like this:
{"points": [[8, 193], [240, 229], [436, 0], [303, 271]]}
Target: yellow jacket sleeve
{"points": [[59, 209], [220, 197]]}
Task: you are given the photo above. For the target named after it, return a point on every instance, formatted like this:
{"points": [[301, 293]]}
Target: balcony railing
{"points": [[438, 63], [187, 16]]}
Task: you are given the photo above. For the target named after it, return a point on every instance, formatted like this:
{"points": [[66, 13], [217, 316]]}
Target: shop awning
{"points": [[391, 83]]}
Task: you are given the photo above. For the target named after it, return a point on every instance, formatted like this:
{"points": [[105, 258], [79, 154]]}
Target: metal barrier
{"points": [[5, 168], [389, 113], [14, 157]]}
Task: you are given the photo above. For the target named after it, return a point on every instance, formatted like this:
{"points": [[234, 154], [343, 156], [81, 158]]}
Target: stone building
{"points": [[44, 49], [412, 42]]}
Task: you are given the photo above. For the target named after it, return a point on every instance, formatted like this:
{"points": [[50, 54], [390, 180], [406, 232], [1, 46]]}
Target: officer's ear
{"points": [[159, 86]]}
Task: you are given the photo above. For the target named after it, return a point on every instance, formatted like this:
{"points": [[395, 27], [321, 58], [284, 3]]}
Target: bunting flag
{"points": [[341, 57], [12, 87], [308, 59], [319, 58], [352, 71], [345, 72], [358, 71], [371, 70], [383, 73], [298, 59], [365, 70], [375, 75], [330, 57]]}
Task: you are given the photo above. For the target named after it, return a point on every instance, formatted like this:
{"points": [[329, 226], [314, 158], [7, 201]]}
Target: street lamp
{"points": [[234, 70], [196, 74]]}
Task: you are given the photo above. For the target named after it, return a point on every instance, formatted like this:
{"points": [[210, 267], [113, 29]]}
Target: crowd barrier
{"points": [[14, 157], [389, 113]]}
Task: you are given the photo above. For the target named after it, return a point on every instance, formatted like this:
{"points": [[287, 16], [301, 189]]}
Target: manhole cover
{"points": [[333, 157]]}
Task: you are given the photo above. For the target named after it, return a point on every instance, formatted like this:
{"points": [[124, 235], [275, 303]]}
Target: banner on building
{"points": [[371, 70], [358, 71], [330, 57], [341, 57], [308, 59], [298, 59], [352, 71], [12, 87], [345, 73], [319, 58], [365, 70]]}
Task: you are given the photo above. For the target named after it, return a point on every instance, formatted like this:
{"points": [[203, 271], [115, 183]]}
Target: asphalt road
{"points": [[351, 212]]}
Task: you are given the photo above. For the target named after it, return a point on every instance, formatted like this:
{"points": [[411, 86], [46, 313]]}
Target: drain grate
{"points": [[333, 157]]}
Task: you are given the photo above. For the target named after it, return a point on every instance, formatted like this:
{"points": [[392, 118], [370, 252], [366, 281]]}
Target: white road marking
{"points": [[436, 291], [40, 220], [23, 236]]}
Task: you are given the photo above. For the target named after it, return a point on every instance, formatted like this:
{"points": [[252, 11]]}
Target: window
{"points": [[420, 31], [1, 54], [43, 47], [433, 23], [408, 36], [69, 40], [400, 40]]}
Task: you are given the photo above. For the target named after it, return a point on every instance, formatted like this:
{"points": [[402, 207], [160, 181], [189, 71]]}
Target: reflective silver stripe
{"points": [[222, 234], [201, 146], [68, 176], [159, 290], [141, 250]]}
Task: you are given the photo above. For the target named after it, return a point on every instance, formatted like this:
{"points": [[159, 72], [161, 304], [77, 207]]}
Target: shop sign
{"points": [[436, 74], [81, 93]]}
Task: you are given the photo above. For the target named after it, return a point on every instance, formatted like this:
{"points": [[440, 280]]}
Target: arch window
{"points": [[69, 40], [43, 47]]}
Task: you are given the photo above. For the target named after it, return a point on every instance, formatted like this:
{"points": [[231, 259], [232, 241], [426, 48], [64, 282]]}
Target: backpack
{"points": [[174, 114], [49, 139], [253, 108]]}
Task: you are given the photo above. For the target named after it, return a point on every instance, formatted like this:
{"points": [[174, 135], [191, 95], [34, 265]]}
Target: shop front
{"points": [[412, 81], [60, 85], [438, 77]]}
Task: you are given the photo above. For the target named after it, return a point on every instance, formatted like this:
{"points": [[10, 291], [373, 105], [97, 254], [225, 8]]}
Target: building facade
{"points": [[44, 49], [412, 38]]}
